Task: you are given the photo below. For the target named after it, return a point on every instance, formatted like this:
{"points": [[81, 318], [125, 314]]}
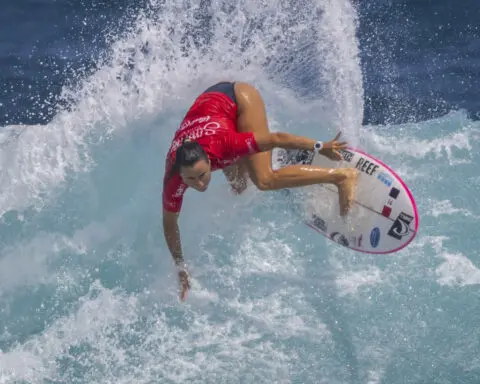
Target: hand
{"points": [[330, 148], [184, 281]]}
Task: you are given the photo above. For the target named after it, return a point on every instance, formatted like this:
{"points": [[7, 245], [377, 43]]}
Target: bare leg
{"points": [[252, 118], [236, 176]]}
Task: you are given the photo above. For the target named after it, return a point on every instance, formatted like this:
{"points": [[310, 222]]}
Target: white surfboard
{"points": [[384, 217]]}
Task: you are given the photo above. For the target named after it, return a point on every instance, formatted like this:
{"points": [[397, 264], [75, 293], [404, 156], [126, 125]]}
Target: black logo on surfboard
{"points": [[295, 156], [304, 157], [400, 226], [347, 155], [339, 238], [366, 166], [319, 223]]}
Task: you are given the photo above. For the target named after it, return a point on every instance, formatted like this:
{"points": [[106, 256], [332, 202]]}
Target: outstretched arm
{"points": [[172, 237], [269, 140]]}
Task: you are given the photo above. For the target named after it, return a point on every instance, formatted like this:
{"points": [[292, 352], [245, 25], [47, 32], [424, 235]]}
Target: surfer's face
{"points": [[198, 175]]}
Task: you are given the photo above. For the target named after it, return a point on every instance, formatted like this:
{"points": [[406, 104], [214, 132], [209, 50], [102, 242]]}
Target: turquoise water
{"points": [[88, 292]]}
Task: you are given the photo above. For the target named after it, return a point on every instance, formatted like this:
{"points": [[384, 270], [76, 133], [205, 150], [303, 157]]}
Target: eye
{"points": [[202, 175]]}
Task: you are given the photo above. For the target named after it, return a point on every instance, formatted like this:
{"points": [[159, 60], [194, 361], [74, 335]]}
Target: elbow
{"points": [[276, 140], [271, 140], [169, 219], [280, 140]]}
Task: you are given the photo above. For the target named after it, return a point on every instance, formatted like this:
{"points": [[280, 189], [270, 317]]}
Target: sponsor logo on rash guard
{"points": [[208, 129]]}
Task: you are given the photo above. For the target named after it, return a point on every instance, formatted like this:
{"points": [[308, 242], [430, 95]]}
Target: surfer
{"points": [[226, 128]]}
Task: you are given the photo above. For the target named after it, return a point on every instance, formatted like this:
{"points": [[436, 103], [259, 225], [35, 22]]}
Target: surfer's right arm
{"points": [[172, 237], [173, 191]]}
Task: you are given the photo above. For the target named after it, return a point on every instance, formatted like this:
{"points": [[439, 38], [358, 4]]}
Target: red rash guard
{"points": [[211, 121]]}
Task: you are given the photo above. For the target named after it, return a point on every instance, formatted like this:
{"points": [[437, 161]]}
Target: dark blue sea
{"points": [[90, 94]]}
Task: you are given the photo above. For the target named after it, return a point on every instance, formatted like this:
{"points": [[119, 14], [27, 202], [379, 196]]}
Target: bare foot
{"points": [[346, 190]]}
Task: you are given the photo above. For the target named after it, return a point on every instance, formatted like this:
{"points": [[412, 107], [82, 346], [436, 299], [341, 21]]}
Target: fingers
{"points": [[183, 295], [337, 146], [184, 284], [335, 143]]}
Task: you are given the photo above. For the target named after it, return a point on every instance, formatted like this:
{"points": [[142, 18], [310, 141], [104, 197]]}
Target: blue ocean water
{"points": [[91, 95]]}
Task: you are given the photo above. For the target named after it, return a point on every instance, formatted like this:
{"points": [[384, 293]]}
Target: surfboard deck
{"points": [[384, 217]]}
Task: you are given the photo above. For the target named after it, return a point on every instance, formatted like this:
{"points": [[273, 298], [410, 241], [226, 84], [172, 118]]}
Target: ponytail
{"points": [[186, 155]]}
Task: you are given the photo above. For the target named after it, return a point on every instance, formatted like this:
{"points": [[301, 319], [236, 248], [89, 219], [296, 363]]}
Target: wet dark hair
{"points": [[186, 155]]}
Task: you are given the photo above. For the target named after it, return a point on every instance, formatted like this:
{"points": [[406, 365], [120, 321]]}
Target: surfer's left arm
{"points": [[266, 141]]}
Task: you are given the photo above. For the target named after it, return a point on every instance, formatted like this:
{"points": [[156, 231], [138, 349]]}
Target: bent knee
{"points": [[265, 182]]}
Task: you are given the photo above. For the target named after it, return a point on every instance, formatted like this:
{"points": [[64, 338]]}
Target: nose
{"points": [[200, 184]]}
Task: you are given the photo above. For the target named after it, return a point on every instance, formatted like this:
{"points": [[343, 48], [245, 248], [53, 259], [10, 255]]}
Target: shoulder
{"points": [[173, 184], [173, 191]]}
